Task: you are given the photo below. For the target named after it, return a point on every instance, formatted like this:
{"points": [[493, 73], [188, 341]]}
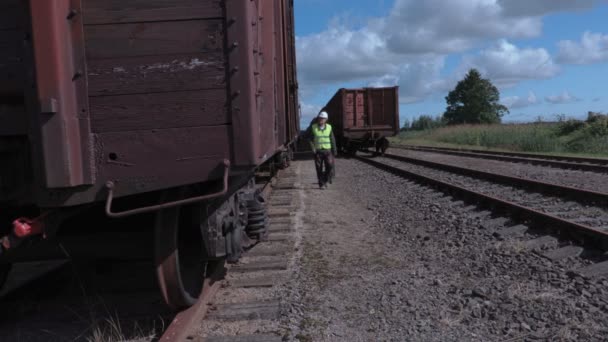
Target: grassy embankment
{"points": [[571, 137]]}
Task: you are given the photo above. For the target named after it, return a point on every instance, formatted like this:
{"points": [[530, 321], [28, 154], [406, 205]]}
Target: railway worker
{"points": [[323, 145]]}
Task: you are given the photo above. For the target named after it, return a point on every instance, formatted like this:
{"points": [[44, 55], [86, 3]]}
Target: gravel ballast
{"points": [[593, 181], [384, 259]]}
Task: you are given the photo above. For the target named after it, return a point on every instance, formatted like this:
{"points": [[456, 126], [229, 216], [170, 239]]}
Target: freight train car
{"points": [[363, 118], [152, 113]]}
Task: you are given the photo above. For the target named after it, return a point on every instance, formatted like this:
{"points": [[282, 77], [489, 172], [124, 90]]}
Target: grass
{"points": [[112, 331], [552, 138]]}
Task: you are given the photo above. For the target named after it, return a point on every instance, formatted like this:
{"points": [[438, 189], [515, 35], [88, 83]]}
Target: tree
{"points": [[474, 100], [406, 125]]}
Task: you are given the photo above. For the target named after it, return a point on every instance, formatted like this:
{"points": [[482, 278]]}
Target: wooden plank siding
{"points": [[10, 14], [153, 39], [148, 111], [11, 65], [121, 11], [155, 64], [156, 74]]}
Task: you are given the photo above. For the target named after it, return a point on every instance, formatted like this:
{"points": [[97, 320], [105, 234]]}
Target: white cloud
{"points": [[409, 46], [309, 111], [542, 7], [562, 98], [593, 48], [439, 26], [506, 64], [342, 55], [513, 102]]}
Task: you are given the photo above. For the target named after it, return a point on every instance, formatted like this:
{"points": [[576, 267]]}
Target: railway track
{"points": [[562, 162], [565, 209], [254, 279], [66, 300]]}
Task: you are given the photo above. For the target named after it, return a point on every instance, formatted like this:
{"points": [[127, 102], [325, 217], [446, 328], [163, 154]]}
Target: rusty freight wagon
{"points": [[128, 121], [363, 118]]}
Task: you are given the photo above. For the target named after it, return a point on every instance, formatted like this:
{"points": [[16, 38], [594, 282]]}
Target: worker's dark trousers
{"points": [[324, 162]]}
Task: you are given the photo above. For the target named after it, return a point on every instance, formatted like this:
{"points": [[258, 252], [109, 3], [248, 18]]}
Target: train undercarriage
{"points": [[187, 242]]}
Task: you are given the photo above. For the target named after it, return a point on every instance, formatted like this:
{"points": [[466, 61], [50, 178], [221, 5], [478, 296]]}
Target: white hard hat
{"points": [[323, 115]]}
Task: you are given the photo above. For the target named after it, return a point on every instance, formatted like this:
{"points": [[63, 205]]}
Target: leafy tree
{"points": [[474, 100], [406, 125]]}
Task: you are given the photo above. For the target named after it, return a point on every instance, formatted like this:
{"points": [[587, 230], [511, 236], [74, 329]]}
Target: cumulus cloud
{"points": [[514, 102], [506, 64], [440, 26], [409, 46], [341, 55], [542, 7], [593, 48], [562, 98]]}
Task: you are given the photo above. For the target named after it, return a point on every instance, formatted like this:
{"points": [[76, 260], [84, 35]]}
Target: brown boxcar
{"points": [[104, 99], [365, 117]]}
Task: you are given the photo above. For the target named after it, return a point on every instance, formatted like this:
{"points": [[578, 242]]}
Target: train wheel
{"points": [[180, 256]]}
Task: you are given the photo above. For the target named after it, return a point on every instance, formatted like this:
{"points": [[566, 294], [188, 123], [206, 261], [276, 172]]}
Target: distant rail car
{"points": [[153, 113], [363, 118]]}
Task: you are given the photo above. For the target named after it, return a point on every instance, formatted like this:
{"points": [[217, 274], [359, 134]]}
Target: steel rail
{"points": [[180, 327], [577, 163], [596, 236], [582, 195]]}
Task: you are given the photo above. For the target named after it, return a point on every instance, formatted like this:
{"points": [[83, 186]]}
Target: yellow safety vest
{"points": [[322, 137]]}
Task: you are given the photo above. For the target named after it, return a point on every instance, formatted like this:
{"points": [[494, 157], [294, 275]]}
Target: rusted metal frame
{"points": [[598, 236], [281, 79], [110, 186], [60, 77], [581, 195], [370, 111], [501, 157], [292, 85], [397, 111], [241, 80], [267, 93], [528, 155]]}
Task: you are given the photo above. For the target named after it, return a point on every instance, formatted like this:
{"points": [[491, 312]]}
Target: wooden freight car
{"points": [[157, 108], [363, 118]]}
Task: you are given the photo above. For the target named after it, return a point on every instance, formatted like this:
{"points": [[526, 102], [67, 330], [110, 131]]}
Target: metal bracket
{"points": [[110, 186]]}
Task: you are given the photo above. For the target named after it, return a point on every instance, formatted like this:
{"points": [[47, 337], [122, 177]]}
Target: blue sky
{"points": [[547, 57]]}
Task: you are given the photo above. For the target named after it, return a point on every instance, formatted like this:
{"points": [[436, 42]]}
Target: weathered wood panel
{"points": [[156, 74], [164, 110], [145, 39], [121, 11], [12, 119], [10, 14], [11, 45], [140, 161], [11, 67]]}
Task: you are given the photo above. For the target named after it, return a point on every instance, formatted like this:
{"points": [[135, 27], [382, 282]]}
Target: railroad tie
{"points": [[274, 265], [261, 282], [518, 230], [595, 270], [250, 338], [494, 223], [246, 311], [541, 242], [564, 253]]}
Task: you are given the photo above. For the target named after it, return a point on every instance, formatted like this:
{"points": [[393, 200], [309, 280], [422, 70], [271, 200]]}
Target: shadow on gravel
{"points": [[86, 302]]}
